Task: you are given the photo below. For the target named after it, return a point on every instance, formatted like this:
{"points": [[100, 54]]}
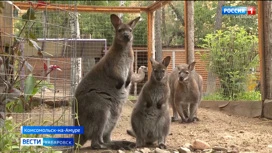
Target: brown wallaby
{"points": [[103, 91], [186, 92], [150, 118]]}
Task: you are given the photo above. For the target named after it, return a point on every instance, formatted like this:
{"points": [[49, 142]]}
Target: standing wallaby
{"points": [[186, 92], [150, 118], [103, 91]]}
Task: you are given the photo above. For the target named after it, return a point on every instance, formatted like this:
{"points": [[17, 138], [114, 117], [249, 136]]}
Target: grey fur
{"points": [[150, 118], [186, 92], [103, 91]]}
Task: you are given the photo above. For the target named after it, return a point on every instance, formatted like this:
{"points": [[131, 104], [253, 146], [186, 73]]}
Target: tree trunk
{"points": [[164, 29], [266, 56], [190, 30], [158, 43], [268, 48], [211, 79]]}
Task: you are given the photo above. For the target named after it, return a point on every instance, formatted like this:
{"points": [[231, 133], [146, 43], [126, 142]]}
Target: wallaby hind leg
{"points": [[98, 129], [139, 142], [185, 109], [175, 112], [193, 110], [180, 112], [161, 142]]}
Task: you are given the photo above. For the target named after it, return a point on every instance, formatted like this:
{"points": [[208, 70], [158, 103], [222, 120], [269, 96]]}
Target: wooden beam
{"points": [[85, 8], [186, 30], [158, 4], [149, 41], [261, 48]]}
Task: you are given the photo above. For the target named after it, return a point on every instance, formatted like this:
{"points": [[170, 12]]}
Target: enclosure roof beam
{"points": [[158, 4], [85, 8]]}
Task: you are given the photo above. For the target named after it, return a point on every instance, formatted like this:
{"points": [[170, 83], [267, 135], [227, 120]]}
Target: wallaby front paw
{"points": [[174, 119], [119, 85], [162, 146], [98, 146], [196, 119], [127, 83], [184, 120]]}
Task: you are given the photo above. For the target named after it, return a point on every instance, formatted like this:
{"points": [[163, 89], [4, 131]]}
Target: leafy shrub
{"points": [[233, 52]]}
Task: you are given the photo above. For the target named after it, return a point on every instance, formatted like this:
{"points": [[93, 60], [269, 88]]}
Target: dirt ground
{"points": [[214, 127]]}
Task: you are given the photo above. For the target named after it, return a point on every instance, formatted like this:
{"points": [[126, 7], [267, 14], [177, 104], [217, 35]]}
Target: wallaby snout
{"points": [[127, 36], [183, 76]]}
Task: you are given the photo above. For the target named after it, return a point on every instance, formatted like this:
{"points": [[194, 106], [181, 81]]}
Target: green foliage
{"points": [[245, 96], [214, 96], [29, 15], [232, 53], [251, 95], [10, 142]]}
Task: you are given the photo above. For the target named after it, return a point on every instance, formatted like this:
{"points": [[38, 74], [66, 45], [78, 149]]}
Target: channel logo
{"points": [[47, 141], [238, 10], [31, 141]]}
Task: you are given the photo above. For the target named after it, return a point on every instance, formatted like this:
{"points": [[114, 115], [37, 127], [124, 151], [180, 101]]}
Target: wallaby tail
{"points": [[131, 133], [121, 145]]}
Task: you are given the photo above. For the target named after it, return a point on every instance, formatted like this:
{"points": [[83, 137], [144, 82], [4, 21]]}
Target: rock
{"points": [[199, 144], [158, 150], [175, 151], [145, 150], [137, 151], [184, 150], [228, 137], [107, 151], [233, 149], [209, 151], [188, 145], [120, 151], [218, 148]]}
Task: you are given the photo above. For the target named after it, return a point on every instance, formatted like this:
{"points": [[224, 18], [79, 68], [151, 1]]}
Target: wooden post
{"points": [[265, 18], [186, 30], [261, 47], [149, 41], [189, 31]]}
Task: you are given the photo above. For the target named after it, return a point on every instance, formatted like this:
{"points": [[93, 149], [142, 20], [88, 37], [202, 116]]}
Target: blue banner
{"points": [[52, 129], [47, 141], [58, 142], [234, 10]]}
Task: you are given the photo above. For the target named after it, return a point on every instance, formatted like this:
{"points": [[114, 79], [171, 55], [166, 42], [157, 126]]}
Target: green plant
{"points": [[251, 95], [214, 96], [232, 53], [9, 141]]}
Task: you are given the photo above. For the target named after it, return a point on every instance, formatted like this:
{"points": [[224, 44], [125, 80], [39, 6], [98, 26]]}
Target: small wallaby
{"points": [[103, 91], [186, 92], [150, 118]]}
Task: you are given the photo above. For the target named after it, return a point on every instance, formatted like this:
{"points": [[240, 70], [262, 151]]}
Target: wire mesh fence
{"points": [[36, 73]]}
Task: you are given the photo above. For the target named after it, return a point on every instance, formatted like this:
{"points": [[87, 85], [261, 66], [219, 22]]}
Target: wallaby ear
{"points": [[191, 66], [115, 20], [166, 61], [132, 23]]}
